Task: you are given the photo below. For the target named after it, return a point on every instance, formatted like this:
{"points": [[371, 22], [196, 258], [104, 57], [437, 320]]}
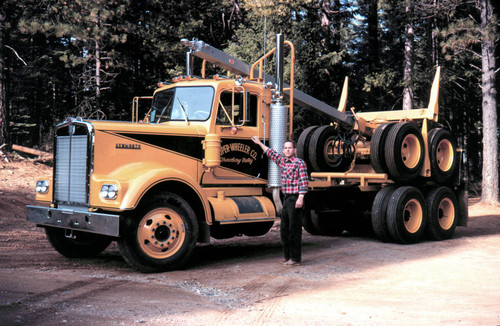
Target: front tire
{"points": [[162, 236], [79, 245]]}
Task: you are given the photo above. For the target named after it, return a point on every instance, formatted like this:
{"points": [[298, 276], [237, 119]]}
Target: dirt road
{"points": [[344, 280]]}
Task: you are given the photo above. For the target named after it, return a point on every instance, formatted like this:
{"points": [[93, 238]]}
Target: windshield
{"points": [[183, 103]]}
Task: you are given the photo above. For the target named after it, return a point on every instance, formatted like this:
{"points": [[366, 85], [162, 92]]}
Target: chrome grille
{"points": [[71, 169]]}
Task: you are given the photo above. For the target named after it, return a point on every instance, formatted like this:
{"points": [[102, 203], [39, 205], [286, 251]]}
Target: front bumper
{"points": [[98, 223]]}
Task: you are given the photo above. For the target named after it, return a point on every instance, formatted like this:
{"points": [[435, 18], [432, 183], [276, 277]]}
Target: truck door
{"points": [[237, 121]]}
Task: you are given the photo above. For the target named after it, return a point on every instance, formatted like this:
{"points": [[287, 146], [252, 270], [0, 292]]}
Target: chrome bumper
{"points": [[99, 223]]}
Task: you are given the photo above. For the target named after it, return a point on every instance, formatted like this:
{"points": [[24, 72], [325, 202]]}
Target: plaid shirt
{"points": [[294, 178]]}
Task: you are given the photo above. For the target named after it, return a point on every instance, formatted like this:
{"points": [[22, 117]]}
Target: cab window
{"points": [[225, 111]]}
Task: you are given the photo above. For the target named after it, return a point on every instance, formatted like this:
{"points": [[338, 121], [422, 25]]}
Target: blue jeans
{"points": [[291, 229]]}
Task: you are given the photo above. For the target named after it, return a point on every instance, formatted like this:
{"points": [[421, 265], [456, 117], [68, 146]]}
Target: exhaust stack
{"points": [[278, 121]]}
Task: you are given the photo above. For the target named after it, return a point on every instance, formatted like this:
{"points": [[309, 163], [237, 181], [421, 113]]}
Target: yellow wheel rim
{"points": [[411, 151], [444, 155], [331, 152], [413, 216], [446, 213], [161, 233]]}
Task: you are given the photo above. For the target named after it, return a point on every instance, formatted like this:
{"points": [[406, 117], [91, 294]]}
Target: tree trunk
{"points": [[408, 58], [373, 48], [434, 38], [490, 139], [97, 71], [4, 132]]}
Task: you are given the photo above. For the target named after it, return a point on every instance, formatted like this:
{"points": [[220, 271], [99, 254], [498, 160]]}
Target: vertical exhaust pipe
{"points": [[278, 121], [189, 63], [279, 63]]}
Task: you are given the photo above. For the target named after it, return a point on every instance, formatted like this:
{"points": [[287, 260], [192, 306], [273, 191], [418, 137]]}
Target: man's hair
{"points": [[290, 141]]}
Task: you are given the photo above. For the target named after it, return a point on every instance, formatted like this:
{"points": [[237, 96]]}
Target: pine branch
{"points": [[17, 55]]}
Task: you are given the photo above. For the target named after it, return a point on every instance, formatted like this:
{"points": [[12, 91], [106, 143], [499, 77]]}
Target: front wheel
{"points": [[162, 236], [76, 244]]}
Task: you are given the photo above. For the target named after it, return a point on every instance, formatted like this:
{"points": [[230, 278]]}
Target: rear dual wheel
{"points": [[377, 147], [303, 145], [322, 150], [398, 150], [406, 215], [379, 213], [323, 223], [442, 154], [326, 151], [442, 213], [404, 152]]}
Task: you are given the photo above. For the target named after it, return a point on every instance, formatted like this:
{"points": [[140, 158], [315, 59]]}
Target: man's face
{"points": [[288, 149]]}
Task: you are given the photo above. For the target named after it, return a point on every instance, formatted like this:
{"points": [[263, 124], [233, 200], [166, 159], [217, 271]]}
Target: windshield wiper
{"points": [[183, 110], [163, 110]]}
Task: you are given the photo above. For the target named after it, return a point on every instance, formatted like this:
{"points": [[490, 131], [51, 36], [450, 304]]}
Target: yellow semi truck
{"points": [[185, 169]]}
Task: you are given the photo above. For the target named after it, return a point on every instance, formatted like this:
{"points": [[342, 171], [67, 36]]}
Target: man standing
{"points": [[294, 184]]}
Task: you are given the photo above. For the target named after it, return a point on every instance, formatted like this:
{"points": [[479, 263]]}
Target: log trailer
{"points": [[187, 170]]}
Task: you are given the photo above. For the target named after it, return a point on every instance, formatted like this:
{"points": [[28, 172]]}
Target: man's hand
{"points": [[300, 202], [256, 140]]}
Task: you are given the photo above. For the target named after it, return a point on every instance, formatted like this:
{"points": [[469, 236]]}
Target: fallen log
{"points": [[32, 151]]}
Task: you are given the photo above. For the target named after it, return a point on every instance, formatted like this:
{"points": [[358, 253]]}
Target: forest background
{"points": [[89, 58]]}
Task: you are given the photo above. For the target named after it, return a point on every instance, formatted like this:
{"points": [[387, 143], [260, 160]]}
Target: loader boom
{"points": [[223, 60]]}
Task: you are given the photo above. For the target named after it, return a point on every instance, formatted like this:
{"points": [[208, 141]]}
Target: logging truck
{"points": [[185, 169]]}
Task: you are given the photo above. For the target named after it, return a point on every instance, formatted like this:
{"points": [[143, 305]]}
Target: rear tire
{"points": [[404, 152], [442, 154], [325, 151], [442, 213], [162, 236], [379, 213], [307, 222], [377, 147], [303, 145], [80, 245], [327, 223], [406, 215]]}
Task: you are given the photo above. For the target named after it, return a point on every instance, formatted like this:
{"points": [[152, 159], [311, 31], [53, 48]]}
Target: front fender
{"points": [[134, 181]]}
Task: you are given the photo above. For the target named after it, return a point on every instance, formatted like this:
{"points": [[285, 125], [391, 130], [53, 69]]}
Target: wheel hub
{"points": [[444, 155], [332, 151], [411, 151], [446, 214], [413, 216], [161, 233]]}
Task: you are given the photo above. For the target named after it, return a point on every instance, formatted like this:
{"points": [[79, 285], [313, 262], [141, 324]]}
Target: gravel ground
{"points": [[345, 280]]}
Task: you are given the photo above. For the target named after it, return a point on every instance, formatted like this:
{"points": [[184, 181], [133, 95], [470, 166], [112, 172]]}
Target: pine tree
{"points": [[469, 41], [490, 128]]}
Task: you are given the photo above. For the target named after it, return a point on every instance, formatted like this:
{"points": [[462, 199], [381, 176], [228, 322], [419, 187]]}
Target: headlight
{"points": [[109, 191], [42, 186]]}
